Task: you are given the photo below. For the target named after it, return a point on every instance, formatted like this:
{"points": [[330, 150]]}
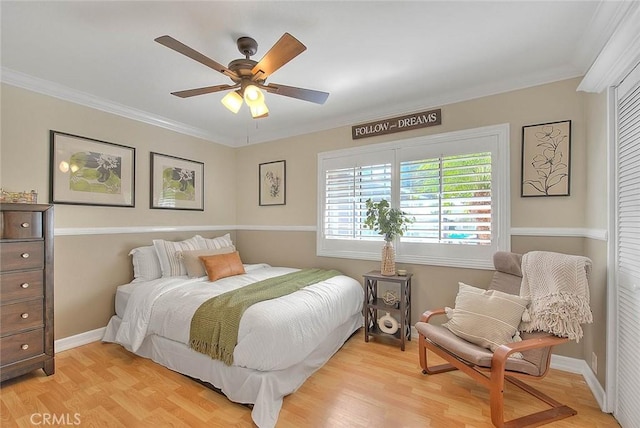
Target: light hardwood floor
{"points": [[364, 385]]}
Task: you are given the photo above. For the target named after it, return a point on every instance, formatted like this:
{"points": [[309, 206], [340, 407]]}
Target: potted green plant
{"points": [[390, 222]]}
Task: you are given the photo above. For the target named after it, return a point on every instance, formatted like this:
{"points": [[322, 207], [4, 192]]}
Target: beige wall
{"points": [[27, 118], [596, 216], [89, 267], [436, 286], [540, 104], [597, 200]]}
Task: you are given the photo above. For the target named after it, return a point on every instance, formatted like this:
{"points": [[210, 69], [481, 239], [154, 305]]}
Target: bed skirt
{"points": [[264, 389]]}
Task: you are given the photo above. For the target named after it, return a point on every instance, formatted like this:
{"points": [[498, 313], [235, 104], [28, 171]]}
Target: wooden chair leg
{"points": [[496, 398], [556, 412], [424, 363]]}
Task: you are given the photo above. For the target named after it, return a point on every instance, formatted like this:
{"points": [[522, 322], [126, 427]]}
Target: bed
{"points": [[281, 341]]}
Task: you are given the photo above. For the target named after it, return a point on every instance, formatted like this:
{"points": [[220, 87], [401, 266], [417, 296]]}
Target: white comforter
{"points": [[273, 334]]}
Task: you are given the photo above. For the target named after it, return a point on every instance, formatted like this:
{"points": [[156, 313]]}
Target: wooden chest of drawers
{"points": [[26, 289]]}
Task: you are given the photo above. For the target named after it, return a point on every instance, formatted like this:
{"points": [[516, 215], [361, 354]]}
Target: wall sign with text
{"points": [[397, 124]]}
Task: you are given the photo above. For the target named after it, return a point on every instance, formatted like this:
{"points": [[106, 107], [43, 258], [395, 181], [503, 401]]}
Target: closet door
{"points": [[627, 244]]}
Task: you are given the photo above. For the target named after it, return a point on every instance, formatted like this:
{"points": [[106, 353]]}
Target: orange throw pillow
{"points": [[222, 265]]}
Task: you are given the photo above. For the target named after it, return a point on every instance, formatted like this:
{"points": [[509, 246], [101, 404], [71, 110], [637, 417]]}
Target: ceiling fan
{"points": [[249, 76]]}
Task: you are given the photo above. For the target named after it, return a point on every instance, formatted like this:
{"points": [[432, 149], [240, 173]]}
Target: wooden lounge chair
{"points": [[492, 369]]}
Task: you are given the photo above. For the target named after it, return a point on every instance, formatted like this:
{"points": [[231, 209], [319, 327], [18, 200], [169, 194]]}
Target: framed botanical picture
{"points": [[272, 183], [84, 171], [546, 159], [176, 183]]}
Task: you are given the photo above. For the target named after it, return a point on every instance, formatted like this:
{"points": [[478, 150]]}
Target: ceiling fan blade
{"points": [[180, 47], [317, 97], [285, 49], [201, 91]]}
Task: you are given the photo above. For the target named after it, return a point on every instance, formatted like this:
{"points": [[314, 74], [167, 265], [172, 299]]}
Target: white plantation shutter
{"points": [[455, 185], [627, 411], [449, 197], [345, 181], [347, 190]]}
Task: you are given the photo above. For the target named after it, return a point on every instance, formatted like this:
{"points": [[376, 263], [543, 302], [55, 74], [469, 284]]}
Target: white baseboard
{"points": [[575, 365], [79, 339]]}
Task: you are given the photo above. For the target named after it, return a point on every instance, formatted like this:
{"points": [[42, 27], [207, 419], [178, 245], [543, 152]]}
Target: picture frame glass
{"points": [[272, 183], [85, 171], [176, 183], [546, 159]]}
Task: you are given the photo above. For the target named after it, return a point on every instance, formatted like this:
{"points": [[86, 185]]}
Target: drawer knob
{"points": [[24, 255], [24, 347], [24, 285], [25, 225], [24, 316]]}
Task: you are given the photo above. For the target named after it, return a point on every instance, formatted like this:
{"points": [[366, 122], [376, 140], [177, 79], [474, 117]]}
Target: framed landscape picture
{"points": [[546, 159], [272, 183], [176, 183], [84, 171]]}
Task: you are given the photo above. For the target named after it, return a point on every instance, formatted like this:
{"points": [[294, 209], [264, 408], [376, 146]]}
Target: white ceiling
{"points": [[376, 58]]}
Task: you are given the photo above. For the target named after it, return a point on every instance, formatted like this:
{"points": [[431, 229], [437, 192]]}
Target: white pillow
{"points": [[488, 318], [193, 264], [215, 243], [146, 265], [170, 264]]}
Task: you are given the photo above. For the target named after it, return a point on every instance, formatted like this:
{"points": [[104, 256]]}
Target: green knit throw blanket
{"points": [[215, 324]]}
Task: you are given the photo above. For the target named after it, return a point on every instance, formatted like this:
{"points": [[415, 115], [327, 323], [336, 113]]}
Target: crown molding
{"points": [[453, 97], [45, 87], [42, 86], [620, 54]]}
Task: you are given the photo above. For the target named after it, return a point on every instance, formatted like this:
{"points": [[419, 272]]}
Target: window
{"points": [[449, 197], [347, 190], [454, 185]]}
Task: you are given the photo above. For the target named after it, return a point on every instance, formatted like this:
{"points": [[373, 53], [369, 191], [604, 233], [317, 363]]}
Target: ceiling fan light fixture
{"points": [[232, 101], [253, 96], [259, 111], [248, 75]]}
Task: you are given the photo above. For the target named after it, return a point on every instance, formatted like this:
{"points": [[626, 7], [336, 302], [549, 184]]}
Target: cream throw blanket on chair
{"points": [[557, 285]]}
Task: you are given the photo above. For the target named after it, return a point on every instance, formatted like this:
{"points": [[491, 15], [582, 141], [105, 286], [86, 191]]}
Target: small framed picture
{"points": [[176, 183], [546, 159], [272, 177], [84, 171]]}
